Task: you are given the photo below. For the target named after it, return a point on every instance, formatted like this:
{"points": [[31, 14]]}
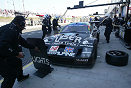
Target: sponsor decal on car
{"points": [[65, 43], [91, 46], [66, 54], [54, 48], [68, 51], [40, 60], [82, 60], [89, 28], [65, 37]]}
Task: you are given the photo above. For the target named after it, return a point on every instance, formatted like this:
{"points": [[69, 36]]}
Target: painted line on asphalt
{"points": [[27, 65], [23, 69], [1, 80]]}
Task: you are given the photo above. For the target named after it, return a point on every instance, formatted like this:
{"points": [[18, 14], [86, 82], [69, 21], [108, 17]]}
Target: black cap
{"points": [[19, 20]]}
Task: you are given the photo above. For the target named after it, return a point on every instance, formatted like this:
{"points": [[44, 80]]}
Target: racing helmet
{"points": [[46, 16], [57, 17], [20, 21]]}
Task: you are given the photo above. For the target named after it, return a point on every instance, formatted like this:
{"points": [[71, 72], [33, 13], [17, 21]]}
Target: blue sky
{"points": [[50, 6]]}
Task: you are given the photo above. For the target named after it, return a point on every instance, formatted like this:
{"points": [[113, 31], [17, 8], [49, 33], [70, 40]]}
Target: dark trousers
{"points": [[10, 69], [44, 33], [44, 30], [107, 35], [49, 29], [116, 28], [55, 29]]}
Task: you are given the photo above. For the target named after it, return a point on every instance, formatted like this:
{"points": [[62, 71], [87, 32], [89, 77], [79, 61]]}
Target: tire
{"points": [[117, 58]]}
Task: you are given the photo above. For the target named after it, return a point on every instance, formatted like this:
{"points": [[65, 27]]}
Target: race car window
{"points": [[76, 28]]}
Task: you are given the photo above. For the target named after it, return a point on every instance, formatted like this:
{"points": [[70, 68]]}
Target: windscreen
{"points": [[76, 28]]}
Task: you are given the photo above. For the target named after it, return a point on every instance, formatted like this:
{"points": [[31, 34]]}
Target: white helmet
{"points": [[46, 16], [56, 17]]}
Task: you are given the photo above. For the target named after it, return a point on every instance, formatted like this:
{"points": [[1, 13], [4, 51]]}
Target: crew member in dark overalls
{"points": [[116, 23], [108, 29], [55, 24], [97, 23], [45, 26], [10, 52], [49, 26]]}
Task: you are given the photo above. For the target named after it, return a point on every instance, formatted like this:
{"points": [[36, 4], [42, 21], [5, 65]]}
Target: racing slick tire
{"points": [[117, 58]]}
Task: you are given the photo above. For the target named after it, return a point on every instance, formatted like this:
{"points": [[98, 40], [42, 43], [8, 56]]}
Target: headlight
{"points": [[46, 40], [85, 42], [86, 52]]}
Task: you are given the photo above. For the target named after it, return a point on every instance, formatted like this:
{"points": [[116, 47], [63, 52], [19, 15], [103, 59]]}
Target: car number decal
{"points": [[40, 60]]}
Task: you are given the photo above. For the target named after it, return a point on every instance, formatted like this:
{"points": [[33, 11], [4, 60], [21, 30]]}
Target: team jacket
{"points": [[55, 22], [10, 39]]}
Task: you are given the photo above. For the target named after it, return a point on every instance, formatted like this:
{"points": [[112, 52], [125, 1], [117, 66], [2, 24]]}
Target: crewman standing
{"points": [[108, 29], [45, 25], [55, 24]]}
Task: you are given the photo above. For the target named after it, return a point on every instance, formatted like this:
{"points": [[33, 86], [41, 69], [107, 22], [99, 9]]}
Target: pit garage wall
{"points": [[125, 34], [124, 10]]}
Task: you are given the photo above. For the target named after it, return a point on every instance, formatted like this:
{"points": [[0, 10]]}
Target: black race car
{"points": [[75, 45]]}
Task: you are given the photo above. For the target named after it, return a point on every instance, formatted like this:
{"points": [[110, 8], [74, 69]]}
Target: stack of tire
{"points": [[117, 58]]}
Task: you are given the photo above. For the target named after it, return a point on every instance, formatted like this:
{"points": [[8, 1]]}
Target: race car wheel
{"points": [[117, 58]]}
